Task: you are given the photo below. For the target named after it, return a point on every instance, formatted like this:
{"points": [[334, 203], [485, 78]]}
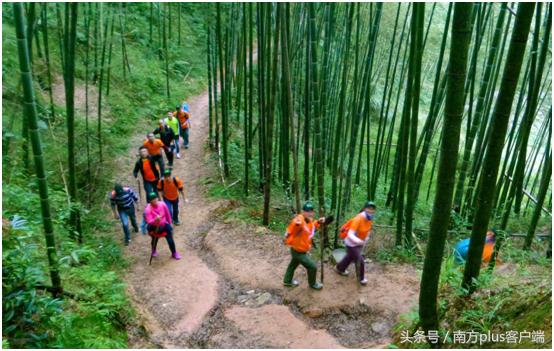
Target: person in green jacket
{"points": [[173, 122]]}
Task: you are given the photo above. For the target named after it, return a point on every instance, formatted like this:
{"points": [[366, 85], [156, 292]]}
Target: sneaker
{"points": [[177, 222], [154, 253], [127, 243], [176, 255], [363, 281], [135, 230], [317, 286], [344, 274], [178, 155], [186, 146], [293, 284]]}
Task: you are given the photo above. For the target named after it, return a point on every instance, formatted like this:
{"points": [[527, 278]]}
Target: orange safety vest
{"points": [[360, 224], [299, 234]]}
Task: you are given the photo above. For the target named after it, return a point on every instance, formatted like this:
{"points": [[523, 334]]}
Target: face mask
{"points": [[369, 217]]}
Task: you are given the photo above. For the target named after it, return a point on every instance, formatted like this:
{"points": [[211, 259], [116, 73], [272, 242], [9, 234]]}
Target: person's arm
{"points": [[167, 215], [160, 188], [352, 237], [181, 189], [112, 205], [137, 168]]}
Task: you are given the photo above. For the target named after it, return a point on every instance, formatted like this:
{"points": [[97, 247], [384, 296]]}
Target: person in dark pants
{"points": [[124, 199], [357, 234], [147, 168], [168, 138], [158, 221], [171, 187], [299, 237]]}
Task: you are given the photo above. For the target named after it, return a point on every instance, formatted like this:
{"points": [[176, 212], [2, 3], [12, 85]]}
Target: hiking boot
{"points": [[176, 255], [178, 155], [154, 253], [293, 284], [363, 282], [344, 274], [317, 286]]}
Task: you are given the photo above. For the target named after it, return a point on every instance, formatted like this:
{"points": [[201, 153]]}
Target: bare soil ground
{"points": [[226, 291]]}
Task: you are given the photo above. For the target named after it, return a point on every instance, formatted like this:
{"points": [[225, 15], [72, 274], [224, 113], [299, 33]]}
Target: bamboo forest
{"points": [[277, 175]]}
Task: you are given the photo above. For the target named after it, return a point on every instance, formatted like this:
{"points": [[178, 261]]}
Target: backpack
{"points": [[345, 228]]}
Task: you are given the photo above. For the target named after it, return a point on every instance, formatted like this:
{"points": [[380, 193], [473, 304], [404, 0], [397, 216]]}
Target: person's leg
{"points": [[310, 266], [169, 155], [186, 138], [169, 206], [175, 212], [169, 237], [143, 225], [359, 262], [133, 217], [160, 160], [347, 259], [124, 218], [153, 186], [176, 141], [147, 188], [289, 274]]}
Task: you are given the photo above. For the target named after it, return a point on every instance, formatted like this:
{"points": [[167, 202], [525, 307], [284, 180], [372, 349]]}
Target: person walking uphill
{"points": [[167, 137], [147, 168], [154, 147], [355, 233], [171, 187], [172, 121], [158, 221], [183, 115], [299, 237], [124, 199]]}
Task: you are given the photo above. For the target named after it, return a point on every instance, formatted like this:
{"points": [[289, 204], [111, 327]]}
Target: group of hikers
{"points": [[355, 233], [162, 189], [159, 217]]}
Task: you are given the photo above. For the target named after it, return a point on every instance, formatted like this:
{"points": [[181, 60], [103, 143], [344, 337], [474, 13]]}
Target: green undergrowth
{"points": [[95, 311], [514, 297]]}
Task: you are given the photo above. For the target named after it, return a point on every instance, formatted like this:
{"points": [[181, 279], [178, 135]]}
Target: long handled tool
{"points": [[154, 245], [328, 220]]}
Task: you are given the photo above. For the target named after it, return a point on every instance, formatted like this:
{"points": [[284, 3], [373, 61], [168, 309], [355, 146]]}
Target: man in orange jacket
{"points": [[299, 237]]}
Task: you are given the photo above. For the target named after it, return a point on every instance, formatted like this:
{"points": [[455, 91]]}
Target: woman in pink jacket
{"points": [[158, 221]]}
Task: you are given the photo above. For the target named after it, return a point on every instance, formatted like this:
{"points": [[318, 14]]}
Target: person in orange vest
{"points": [[154, 147], [183, 114], [356, 233], [147, 168], [171, 187], [299, 237]]}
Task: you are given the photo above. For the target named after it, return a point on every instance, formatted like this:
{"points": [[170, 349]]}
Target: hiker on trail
{"points": [[171, 187], [154, 147], [147, 168], [356, 233], [462, 248], [173, 122], [158, 221], [183, 115], [299, 237], [124, 199], [167, 137]]}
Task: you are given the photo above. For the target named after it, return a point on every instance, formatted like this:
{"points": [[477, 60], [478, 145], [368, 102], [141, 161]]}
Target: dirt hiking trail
{"points": [[227, 292]]}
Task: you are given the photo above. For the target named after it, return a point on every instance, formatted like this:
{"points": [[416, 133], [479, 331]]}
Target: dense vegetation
{"points": [[440, 113], [93, 310], [376, 101]]}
